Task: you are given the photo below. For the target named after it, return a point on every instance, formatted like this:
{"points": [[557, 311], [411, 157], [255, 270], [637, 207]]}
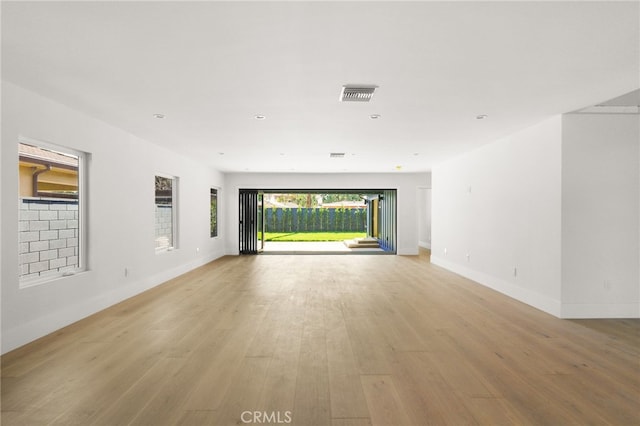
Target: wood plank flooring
{"points": [[325, 340]]}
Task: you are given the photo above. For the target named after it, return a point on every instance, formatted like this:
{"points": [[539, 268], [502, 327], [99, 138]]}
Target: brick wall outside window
{"points": [[48, 237]]}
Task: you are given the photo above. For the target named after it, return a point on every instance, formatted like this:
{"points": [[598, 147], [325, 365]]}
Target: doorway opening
{"points": [[304, 221]]}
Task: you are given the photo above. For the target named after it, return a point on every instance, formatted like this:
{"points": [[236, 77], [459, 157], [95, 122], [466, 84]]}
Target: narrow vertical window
{"points": [[214, 212], [51, 212], [165, 213]]}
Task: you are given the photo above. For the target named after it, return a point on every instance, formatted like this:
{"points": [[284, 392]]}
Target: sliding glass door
{"points": [[309, 211]]}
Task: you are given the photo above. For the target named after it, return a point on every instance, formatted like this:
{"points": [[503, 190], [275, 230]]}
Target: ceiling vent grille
{"points": [[352, 93], [336, 155]]}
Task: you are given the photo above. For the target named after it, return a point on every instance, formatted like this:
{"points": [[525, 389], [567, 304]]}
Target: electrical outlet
{"points": [[468, 257], [445, 250], [607, 285], [515, 271]]}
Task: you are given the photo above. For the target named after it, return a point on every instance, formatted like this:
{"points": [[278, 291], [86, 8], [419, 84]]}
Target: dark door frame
{"points": [[249, 220]]}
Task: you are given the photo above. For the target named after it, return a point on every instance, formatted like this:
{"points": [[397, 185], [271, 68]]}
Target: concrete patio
{"points": [[315, 247]]}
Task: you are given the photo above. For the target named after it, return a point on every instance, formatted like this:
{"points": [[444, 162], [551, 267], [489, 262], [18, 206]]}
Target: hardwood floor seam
{"points": [[328, 341]]}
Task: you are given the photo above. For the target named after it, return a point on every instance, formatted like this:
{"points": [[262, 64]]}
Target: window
{"points": [[166, 217], [214, 212], [51, 224]]}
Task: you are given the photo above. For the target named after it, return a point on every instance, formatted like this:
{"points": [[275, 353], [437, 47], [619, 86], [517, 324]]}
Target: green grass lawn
{"points": [[312, 236]]}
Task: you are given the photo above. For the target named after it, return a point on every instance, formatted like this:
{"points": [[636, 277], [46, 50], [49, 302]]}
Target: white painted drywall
{"points": [[424, 217], [496, 215], [121, 216], [406, 185], [600, 216]]}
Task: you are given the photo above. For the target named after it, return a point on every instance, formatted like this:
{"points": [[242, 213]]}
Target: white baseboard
{"points": [[28, 332], [425, 244], [538, 301], [546, 304], [600, 310], [407, 251]]}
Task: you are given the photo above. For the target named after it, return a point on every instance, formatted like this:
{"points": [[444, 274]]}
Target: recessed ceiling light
{"points": [[158, 116], [416, 154], [374, 116], [481, 116], [336, 155], [221, 153], [260, 117]]}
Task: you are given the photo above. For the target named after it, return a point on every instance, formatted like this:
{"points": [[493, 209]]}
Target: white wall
{"points": [[496, 213], [406, 185], [560, 202], [600, 216], [121, 172], [424, 217]]}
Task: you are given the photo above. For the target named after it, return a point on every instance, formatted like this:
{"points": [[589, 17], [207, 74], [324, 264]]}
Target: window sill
{"points": [[38, 281], [165, 250]]}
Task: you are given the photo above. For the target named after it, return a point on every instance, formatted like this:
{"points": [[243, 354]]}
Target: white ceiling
{"points": [[211, 67]]}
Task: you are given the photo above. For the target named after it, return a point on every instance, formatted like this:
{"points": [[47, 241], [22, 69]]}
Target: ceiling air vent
{"points": [[353, 93], [336, 155]]}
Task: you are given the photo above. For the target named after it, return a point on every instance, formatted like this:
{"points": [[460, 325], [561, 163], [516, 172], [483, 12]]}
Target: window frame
{"points": [[214, 233], [83, 231], [174, 213]]}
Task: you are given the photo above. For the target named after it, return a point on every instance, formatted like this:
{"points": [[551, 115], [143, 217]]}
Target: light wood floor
{"points": [[326, 340]]}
